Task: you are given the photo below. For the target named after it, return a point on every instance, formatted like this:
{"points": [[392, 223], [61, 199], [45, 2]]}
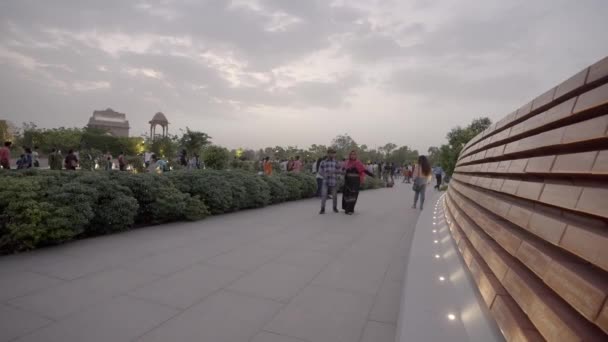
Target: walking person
{"points": [[318, 176], [108, 163], [297, 165], [267, 165], [55, 160], [355, 173], [122, 162], [438, 171], [183, 158], [5, 155], [71, 161], [28, 162], [329, 170], [35, 156], [422, 176]]}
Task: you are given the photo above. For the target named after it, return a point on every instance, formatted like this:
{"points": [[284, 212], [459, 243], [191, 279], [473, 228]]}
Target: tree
{"points": [[165, 147], [343, 145], [317, 151], [403, 155], [216, 157], [457, 138], [388, 148], [193, 141], [433, 155]]}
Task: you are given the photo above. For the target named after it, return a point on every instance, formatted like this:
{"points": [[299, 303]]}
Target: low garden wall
{"points": [[40, 208]]}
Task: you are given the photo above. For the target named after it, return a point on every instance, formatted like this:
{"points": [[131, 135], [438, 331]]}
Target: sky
{"points": [[256, 73]]}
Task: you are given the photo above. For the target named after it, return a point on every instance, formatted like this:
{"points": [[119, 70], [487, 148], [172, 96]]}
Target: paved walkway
{"points": [[278, 274]]}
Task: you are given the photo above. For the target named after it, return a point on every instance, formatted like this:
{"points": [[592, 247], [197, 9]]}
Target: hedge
{"points": [[41, 207]]}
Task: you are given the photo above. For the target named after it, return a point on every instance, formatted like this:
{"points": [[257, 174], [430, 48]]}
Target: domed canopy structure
{"points": [[159, 119]]}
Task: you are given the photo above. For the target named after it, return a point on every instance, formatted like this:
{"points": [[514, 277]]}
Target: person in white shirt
{"points": [[319, 177]]}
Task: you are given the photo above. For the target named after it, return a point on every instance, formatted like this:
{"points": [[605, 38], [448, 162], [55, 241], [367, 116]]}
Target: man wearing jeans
{"points": [[329, 169], [438, 171]]}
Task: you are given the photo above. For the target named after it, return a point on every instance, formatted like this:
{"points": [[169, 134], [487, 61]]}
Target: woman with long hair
{"points": [[422, 176], [355, 173]]}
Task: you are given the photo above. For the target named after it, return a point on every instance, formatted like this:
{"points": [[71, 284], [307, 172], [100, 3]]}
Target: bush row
{"points": [[39, 208]]}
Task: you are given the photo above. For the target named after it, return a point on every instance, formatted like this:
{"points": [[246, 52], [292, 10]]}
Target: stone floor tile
{"points": [[245, 259], [388, 300], [120, 319], [187, 287], [223, 317], [378, 332], [15, 323], [21, 283], [59, 301], [323, 315], [276, 281]]}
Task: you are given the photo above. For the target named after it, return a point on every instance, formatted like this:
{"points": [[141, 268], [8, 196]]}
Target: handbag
{"points": [[418, 183]]}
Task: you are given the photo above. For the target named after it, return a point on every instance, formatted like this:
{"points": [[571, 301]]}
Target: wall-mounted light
{"points": [[451, 317], [442, 278], [437, 256]]}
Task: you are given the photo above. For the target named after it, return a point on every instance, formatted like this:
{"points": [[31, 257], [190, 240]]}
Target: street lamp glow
{"points": [[436, 256], [441, 278], [451, 317]]}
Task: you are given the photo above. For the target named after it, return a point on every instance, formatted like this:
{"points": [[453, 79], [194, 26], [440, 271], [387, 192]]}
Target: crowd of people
{"points": [[327, 170], [30, 158]]}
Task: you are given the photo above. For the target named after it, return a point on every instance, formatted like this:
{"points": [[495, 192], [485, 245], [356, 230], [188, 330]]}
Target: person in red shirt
{"points": [[5, 156]]}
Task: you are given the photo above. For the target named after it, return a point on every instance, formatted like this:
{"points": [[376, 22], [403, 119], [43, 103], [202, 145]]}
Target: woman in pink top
{"points": [[355, 173], [297, 165]]}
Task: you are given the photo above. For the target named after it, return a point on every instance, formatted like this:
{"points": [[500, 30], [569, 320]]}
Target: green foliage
{"points": [[307, 184], [89, 158], [29, 219], [40, 207], [293, 186], [209, 185], [165, 147], [343, 144], [100, 140], [447, 155], [193, 141], [216, 157], [195, 209], [114, 207], [157, 197]]}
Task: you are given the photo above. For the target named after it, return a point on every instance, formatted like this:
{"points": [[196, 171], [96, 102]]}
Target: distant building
{"points": [[113, 122]]}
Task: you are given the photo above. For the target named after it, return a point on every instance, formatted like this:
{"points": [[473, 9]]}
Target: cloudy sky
{"points": [[254, 73]]}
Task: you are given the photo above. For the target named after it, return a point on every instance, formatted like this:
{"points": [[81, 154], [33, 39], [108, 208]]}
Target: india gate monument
{"points": [[114, 122]]}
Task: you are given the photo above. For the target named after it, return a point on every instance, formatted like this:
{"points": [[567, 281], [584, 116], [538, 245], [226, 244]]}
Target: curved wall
{"points": [[528, 209]]}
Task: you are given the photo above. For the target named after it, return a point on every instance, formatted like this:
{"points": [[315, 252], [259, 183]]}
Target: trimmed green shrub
{"points": [[115, 207], [209, 185], [195, 209], [278, 191], [293, 185], [308, 185], [42, 207], [28, 220]]}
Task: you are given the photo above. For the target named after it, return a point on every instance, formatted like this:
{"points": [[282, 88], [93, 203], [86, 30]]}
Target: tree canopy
{"points": [[446, 155]]}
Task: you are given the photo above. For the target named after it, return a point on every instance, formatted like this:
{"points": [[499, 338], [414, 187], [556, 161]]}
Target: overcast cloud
{"points": [[254, 73]]}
